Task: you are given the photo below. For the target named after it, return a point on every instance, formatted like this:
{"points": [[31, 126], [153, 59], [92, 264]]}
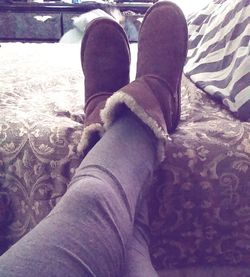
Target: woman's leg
{"points": [[154, 97], [87, 232], [138, 258]]}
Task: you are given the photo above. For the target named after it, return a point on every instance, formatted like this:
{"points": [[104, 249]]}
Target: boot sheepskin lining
{"points": [[88, 132]]}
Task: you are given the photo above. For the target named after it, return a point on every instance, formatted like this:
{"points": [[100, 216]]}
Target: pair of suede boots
{"points": [[154, 96]]}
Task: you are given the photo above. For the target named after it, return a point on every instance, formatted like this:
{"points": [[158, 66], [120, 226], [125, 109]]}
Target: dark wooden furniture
{"points": [[36, 22]]}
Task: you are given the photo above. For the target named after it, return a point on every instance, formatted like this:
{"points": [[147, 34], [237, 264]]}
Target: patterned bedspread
{"points": [[200, 204], [41, 88], [200, 208]]}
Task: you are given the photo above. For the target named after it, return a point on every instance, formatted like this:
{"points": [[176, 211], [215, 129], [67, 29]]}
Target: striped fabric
{"points": [[219, 53]]}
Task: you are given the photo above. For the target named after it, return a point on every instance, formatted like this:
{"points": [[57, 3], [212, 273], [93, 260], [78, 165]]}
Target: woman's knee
{"points": [[95, 196], [86, 193], [92, 191]]}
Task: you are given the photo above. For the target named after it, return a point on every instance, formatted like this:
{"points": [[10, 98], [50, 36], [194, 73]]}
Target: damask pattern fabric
{"points": [[200, 209], [41, 120], [199, 205], [208, 271], [219, 53]]}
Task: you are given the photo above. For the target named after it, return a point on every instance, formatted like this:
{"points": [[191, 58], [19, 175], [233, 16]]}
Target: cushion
{"points": [[218, 56]]}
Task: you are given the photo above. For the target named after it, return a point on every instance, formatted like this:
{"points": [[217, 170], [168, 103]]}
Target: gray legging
{"points": [[90, 231]]}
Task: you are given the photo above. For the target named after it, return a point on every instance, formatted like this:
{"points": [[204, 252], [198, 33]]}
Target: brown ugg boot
{"points": [[155, 94], [105, 58]]}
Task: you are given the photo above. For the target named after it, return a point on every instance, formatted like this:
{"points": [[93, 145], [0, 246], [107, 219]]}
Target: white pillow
{"points": [[83, 20]]}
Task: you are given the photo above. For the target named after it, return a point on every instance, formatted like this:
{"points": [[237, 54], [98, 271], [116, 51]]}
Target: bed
{"points": [[200, 201]]}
